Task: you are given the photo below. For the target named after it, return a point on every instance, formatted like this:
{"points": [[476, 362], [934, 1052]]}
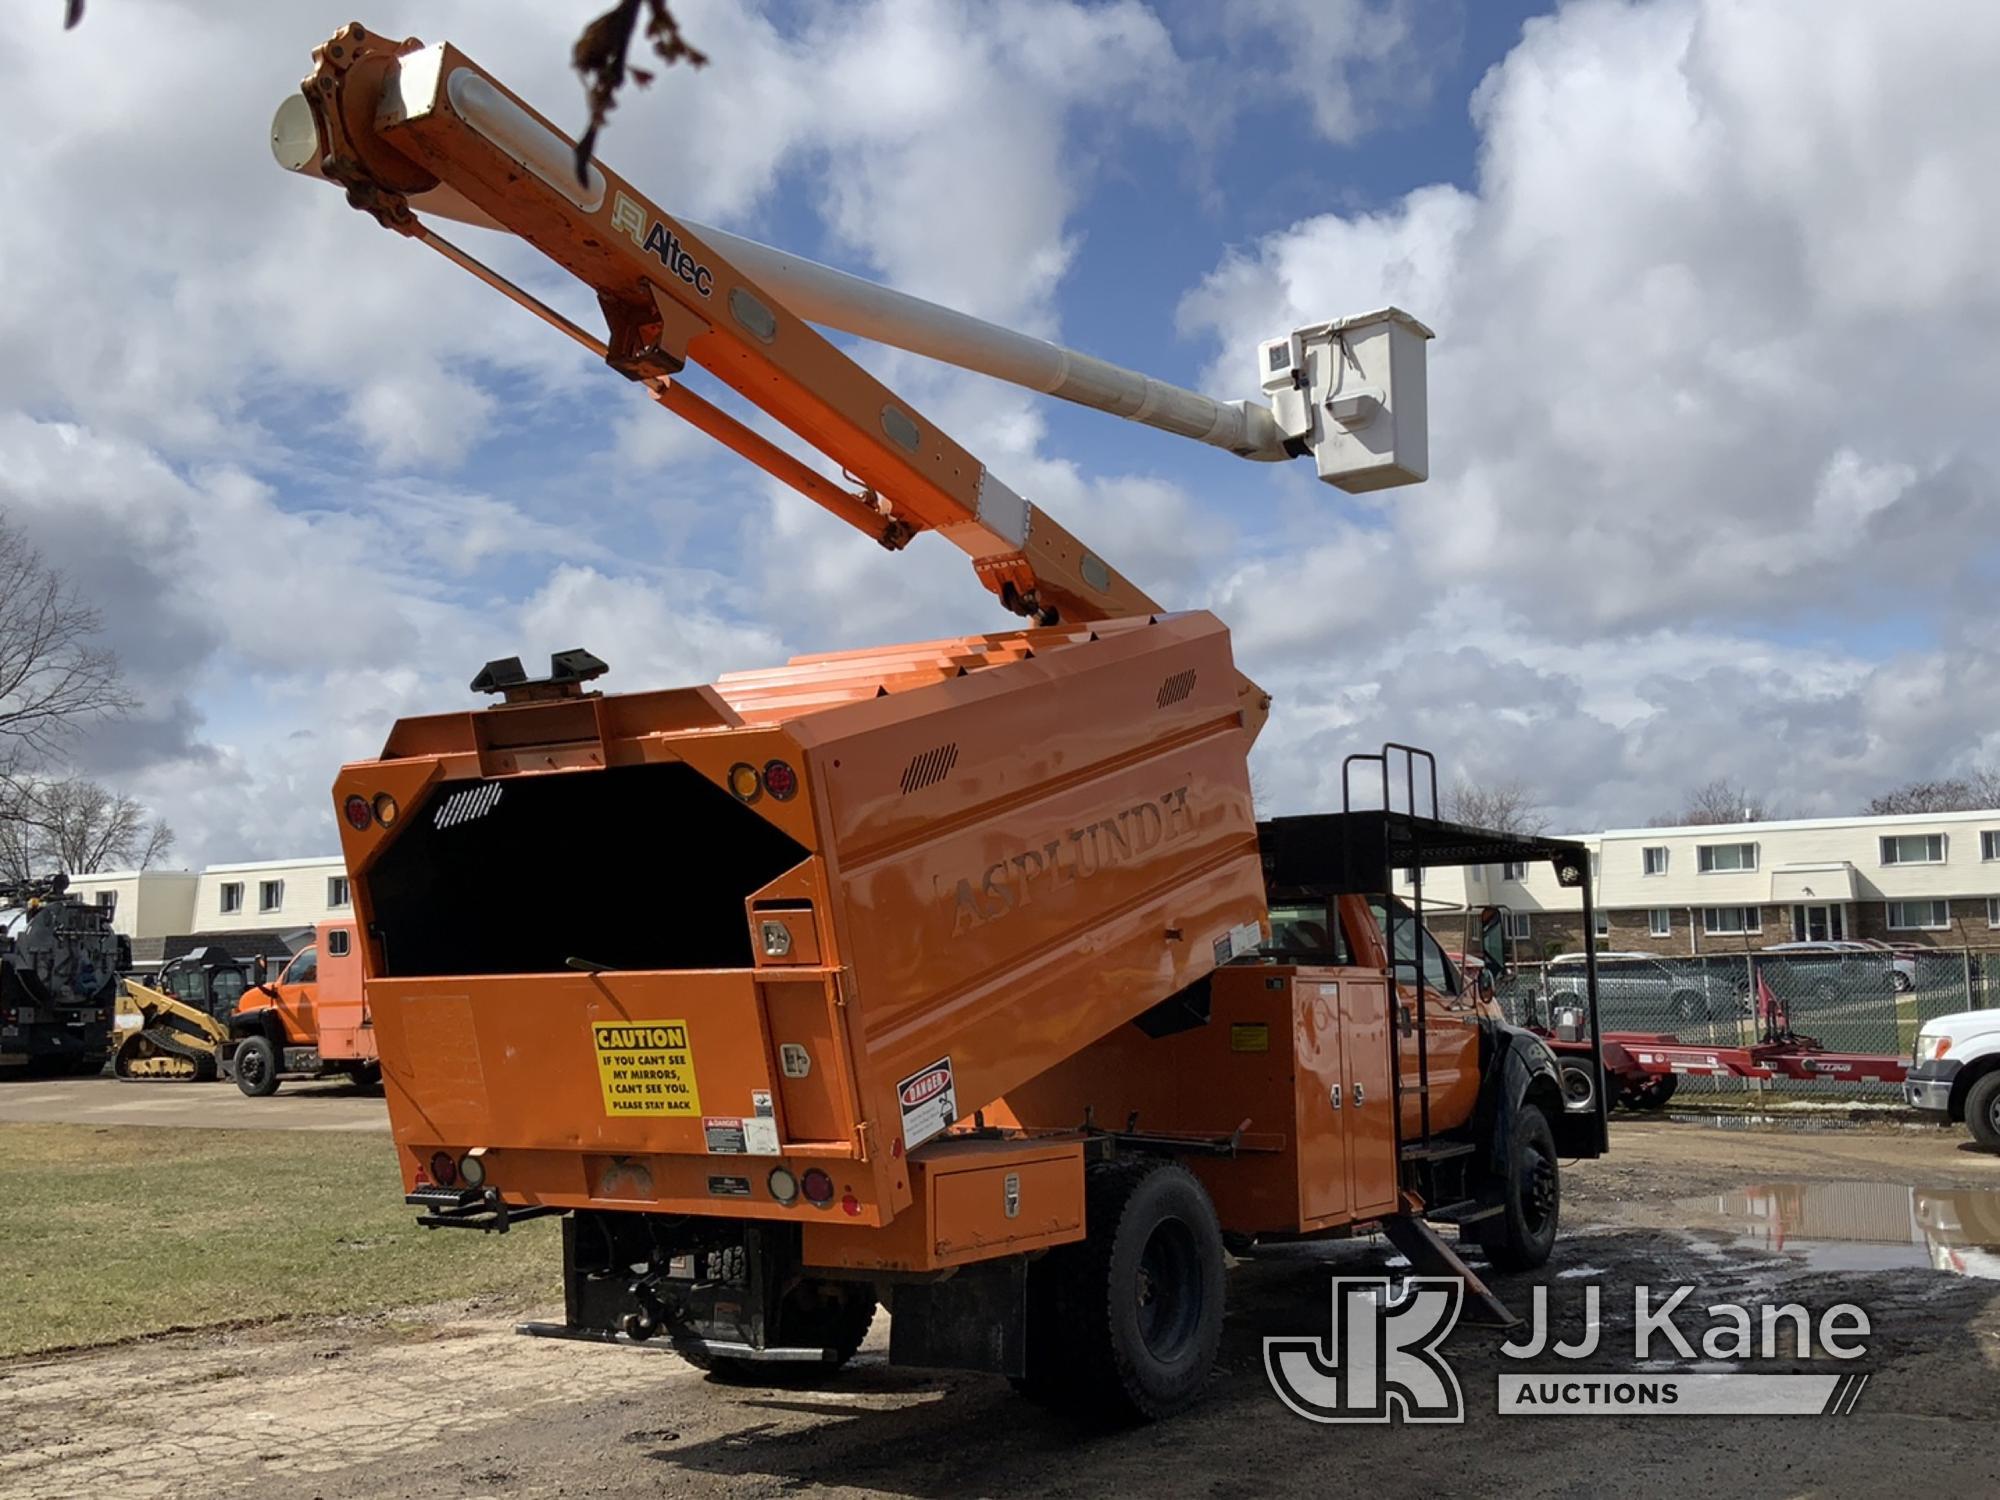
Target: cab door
{"points": [[297, 991], [1451, 1020]]}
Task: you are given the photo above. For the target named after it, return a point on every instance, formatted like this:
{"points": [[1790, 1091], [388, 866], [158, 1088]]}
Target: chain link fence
{"points": [[1855, 1001]]}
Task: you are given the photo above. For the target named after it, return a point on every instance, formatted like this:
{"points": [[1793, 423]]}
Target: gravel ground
{"points": [[446, 1402]]}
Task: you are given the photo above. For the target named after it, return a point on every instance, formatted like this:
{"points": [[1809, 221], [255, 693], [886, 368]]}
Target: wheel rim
{"points": [[1169, 1290], [1576, 1085], [1539, 1190], [1993, 1115], [250, 1067]]}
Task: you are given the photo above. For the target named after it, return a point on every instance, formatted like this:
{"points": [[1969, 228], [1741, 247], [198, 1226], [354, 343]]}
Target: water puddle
{"points": [[1853, 1119], [1869, 1226]]}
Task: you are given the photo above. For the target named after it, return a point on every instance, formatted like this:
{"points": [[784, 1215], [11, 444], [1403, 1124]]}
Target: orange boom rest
{"points": [[957, 975]]}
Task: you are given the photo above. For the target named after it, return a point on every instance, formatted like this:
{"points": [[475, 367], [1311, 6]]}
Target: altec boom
{"points": [[915, 972]]}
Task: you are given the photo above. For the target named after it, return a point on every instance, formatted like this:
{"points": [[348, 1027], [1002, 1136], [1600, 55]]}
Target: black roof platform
{"points": [[1358, 853]]}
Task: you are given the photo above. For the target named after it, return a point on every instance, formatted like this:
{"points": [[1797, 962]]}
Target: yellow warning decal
{"points": [[646, 1068], [1251, 1037]]}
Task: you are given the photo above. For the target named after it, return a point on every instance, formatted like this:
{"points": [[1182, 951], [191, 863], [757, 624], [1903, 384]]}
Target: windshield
{"points": [[303, 969]]}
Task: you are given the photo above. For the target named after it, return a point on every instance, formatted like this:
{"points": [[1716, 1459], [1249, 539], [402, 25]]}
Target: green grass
{"points": [[108, 1233]]}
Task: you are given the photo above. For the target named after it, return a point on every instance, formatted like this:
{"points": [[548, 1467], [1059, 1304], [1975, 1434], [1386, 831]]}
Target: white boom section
{"points": [[835, 299], [1351, 393]]}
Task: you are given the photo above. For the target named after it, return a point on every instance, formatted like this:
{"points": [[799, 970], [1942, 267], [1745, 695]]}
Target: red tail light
{"points": [[818, 1187], [444, 1170], [780, 780], [359, 813]]}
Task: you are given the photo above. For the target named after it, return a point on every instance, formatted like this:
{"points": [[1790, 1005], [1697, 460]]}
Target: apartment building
{"points": [[268, 906], [1931, 879]]}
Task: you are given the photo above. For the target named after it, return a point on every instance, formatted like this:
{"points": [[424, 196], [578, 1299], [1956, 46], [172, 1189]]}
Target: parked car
{"points": [[1829, 970], [1638, 991]]}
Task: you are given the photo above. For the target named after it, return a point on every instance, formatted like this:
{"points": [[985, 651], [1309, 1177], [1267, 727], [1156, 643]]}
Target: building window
{"points": [[270, 895], [1729, 921], [1919, 916], [1600, 922], [232, 897], [1714, 859], [1913, 849], [1660, 922], [336, 890], [1993, 911], [1653, 859], [1989, 843], [1512, 871], [1519, 927], [108, 900], [336, 943]]}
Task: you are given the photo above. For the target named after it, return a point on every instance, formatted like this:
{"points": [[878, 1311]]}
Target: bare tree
{"points": [[1719, 801], [1979, 788], [1505, 806], [54, 677], [79, 826], [601, 55]]}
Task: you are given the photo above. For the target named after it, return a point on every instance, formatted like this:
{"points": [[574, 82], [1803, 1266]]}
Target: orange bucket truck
{"points": [[956, 976]]}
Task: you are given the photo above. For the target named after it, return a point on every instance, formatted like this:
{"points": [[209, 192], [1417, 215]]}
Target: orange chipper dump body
{"points": [[646, 949]]}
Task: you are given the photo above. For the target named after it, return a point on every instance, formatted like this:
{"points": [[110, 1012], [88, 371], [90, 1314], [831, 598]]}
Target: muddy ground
{"points": [[446, 1402]]}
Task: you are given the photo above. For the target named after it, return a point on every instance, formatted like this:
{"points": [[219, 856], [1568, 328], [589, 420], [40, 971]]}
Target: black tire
{"points": [[1579, 1082], [1982, 1111], [1653, 1094], [256, 1062], [1900, 982], [832, 1315], [1123, 1326], [1521, 1236]]}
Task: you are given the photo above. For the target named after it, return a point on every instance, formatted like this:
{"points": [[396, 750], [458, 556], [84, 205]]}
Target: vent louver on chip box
{"points": [[473, 802], [929, 768], [1176, 688]]}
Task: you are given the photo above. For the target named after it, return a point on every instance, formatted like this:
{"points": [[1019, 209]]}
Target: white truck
{"points": [[1955, 1072]]}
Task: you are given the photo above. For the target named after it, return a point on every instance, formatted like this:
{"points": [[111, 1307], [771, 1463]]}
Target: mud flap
{"points": [[975, 1319]]}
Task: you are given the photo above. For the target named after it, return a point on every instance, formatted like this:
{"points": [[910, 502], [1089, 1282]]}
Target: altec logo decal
{"points": [[1079, 853], [663, 244]]}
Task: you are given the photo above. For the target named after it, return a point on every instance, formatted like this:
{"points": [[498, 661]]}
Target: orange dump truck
{"points": [[958, 975], [312, 1021]]}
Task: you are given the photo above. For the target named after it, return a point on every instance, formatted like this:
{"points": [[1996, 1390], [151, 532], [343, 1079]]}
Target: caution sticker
{"points": [[645, 1067], [1250, 1036]]}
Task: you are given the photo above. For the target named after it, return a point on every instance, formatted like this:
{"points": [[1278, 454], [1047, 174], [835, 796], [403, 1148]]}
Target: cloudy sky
{"points": [[1713, 414]]}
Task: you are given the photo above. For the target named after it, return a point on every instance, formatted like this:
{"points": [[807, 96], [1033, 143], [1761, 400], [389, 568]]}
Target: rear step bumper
{"points": [[715, 1348]]}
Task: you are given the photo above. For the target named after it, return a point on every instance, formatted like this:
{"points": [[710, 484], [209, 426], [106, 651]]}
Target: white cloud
{"points": [[1716, 347]]}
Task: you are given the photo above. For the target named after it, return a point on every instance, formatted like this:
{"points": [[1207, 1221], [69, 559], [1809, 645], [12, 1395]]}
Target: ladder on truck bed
{"points": [[1358, 851]]}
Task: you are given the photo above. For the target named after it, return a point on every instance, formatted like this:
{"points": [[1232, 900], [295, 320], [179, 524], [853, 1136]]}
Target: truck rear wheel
{"points": [[1131, 1317], [1982, 1111], [256, 1062], [1521, 1236]]}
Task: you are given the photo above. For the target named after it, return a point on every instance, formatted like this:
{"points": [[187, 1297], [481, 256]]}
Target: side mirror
{"points": [[1493, 941], [261, 966]]}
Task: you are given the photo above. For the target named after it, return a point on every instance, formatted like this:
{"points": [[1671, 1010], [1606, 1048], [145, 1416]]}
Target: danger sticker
{"points": [[929, 1103], [645, 1068], [724, 1136]]}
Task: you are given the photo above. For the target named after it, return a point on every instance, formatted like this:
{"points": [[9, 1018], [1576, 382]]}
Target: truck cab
{"points": [[310, 1021], [1955, 1073]]}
